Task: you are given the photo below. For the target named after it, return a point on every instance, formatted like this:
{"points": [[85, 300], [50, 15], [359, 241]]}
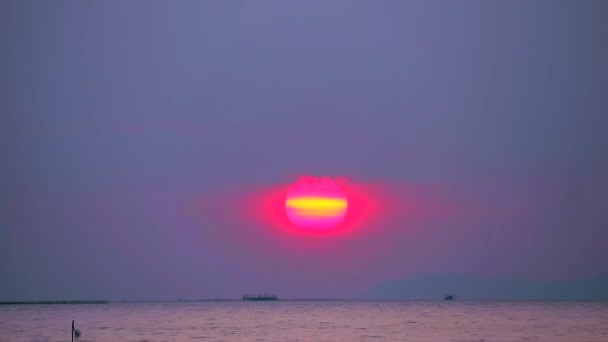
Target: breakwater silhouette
{"points": [[50, 302]]}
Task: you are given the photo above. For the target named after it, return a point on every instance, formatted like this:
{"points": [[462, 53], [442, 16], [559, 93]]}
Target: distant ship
{"points": [[260, 297], [448, 297]]}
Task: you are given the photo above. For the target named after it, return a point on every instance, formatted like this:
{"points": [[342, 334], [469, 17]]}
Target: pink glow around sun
{"points": [[316, 203]]}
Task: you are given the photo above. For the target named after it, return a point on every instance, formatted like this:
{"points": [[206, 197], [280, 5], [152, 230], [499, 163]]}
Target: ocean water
{"points": [[309, 321]]}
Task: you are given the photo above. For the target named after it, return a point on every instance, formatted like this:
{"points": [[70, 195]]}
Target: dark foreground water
{"points": [[309, 321]]}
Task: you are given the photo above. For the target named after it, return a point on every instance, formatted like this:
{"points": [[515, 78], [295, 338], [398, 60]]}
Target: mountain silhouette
{"points": [[468, 287]]}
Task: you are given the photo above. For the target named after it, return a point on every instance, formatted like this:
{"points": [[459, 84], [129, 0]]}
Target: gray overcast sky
{"points": [[114, 114]]}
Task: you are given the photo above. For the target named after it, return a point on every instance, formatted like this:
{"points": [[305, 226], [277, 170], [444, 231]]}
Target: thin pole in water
{"points": [[75, 332]]}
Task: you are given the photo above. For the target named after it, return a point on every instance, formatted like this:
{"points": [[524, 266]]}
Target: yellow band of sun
{"points": [[317, 204]]}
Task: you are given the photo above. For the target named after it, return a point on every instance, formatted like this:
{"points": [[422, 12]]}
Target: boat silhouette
{"points": [[264, 296]]}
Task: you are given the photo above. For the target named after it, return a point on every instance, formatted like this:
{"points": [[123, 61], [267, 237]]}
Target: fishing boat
{"points": [[260, 297], [448, 297]]}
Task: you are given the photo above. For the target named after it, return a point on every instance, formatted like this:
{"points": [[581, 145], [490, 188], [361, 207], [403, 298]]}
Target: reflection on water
{"points": [[306, 321]]}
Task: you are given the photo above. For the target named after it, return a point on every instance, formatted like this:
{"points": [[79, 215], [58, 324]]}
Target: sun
{"points": [[316, 203]]}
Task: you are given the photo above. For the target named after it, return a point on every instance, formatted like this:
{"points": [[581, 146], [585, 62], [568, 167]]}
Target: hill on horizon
{"points": [[468, 287]]}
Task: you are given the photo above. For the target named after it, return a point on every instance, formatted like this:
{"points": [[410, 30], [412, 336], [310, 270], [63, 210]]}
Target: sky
{"points": [[138, 138]]}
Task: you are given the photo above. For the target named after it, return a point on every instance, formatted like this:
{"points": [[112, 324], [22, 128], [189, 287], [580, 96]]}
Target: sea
{"points": [[292, 320]]}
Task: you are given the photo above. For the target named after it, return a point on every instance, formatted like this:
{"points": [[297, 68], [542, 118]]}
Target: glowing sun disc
{"points": [[316, 203]]}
